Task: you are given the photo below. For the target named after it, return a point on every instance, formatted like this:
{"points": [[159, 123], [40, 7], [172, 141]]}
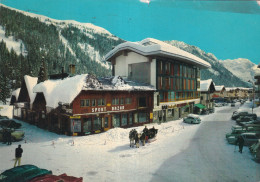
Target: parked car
{"points": [[255, 150], [250, 122], [244, 119], [238, 130], [204, 112], [250, 138], [22, 173], [218, 104], [244, 113], [211, 110], [233, 104], [232, 139], [3, 117], [61, 178], [9, 123], [17, 135], [192, 119]]}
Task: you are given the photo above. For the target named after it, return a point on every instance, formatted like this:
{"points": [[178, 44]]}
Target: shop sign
{"points": [[74, 117], [118, 108], [99, 109], [108, 104]]}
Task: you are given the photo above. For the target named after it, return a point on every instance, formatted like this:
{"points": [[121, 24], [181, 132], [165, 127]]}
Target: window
{"points": [[124, 119], [115, 101], [101, 102], [97, 123], [128, 101], [172, 69], [87, 102], [122, 101], [142, 117], [93, 102], [142, 101], [87, 125], [116, 120], [161, 97], [82, 103]]}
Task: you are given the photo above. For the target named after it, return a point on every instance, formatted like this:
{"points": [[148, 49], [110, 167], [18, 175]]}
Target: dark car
{"points": [[244, 119], [3, 117], [245, 113], [9, 123]]}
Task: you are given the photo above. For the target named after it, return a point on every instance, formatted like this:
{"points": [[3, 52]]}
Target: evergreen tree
{"points": [[42, 76]]}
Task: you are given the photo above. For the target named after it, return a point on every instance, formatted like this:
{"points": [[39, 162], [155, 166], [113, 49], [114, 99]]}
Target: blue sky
{"points": [[228, 29]]}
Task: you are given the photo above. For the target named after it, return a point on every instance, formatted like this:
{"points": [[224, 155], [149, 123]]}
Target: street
{"points": [[209, 157]]}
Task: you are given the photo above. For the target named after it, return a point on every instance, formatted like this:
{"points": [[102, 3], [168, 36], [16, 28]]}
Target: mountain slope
{"points": [[218, 73], [242, 68]]}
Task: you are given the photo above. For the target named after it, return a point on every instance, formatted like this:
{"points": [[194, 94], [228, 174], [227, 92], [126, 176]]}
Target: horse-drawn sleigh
{"points": [[144, 136]]}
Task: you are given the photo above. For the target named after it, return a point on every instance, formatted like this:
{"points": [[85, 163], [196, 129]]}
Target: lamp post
{"points": [[253, 84]]}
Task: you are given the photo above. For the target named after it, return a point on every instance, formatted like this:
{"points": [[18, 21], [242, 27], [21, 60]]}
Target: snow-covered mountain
{"points": [[220, 74], [242, 68], [83, 44]]}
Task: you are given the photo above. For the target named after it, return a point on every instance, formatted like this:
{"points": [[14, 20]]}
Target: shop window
{"points": [[116, 120], [97, 124], [122, 101], [106, 122], [130, 118], [93, 102], [142, 117], [128, 100], [115, 101], [155, 115], [124, 119], [142, 102], [169, 113], [87, 125]]}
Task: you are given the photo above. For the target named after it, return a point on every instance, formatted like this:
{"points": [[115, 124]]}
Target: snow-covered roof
{"points": [[16, 93], [30, 82], [66, 90], [205, 85], [219, 88], [150, 46]]}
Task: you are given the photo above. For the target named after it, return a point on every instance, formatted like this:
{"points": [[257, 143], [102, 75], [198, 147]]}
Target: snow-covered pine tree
{"points": [[42, 76]]}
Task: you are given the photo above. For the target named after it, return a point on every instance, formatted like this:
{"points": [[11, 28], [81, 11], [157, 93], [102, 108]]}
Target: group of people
{"points": [[7, 137]]}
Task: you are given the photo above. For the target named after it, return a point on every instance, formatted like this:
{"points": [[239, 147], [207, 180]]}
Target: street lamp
{"points": [[253, 84]]}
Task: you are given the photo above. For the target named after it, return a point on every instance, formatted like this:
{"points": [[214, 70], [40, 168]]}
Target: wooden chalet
{"points": [[23, 105], [207, 88], [84, 105], [220, 92], [14, 96]]}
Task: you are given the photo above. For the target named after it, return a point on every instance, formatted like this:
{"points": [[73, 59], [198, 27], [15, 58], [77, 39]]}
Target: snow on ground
{"points": [[106, 156]]}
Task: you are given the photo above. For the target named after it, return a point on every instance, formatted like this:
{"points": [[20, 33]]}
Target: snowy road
{"points": [[209, 157]]}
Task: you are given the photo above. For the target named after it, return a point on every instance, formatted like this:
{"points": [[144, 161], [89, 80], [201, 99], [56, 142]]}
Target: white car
{"points": [[192, 119]]}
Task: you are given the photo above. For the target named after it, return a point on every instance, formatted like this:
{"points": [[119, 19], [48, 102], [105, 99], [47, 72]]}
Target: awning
{"points": [[201, 106]]}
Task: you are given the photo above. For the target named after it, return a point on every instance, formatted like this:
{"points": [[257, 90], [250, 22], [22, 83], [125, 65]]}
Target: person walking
{"points": [[9, 137], [18, 155], [4, 136], [240, 143]]}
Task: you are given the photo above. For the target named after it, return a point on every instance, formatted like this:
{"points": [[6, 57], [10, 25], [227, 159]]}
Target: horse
{"points": [[143, 138], [132, 136]]}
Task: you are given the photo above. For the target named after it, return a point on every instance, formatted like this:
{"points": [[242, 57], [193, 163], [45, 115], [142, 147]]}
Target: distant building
{"points": [[173, 72], [207, 88], [220, 92]]}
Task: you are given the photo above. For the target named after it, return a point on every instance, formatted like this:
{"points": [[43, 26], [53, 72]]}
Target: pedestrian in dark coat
{"points": [[240, 143], [9, 138], [4, 136], [18, 155]]}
